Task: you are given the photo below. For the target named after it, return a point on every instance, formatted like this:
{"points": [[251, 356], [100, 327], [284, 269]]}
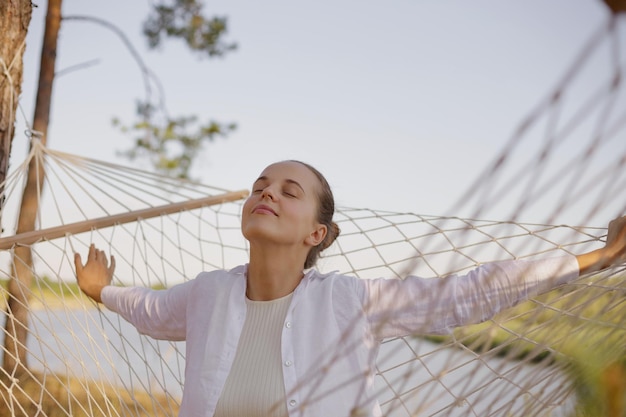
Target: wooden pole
{"points": [[28, 238]]}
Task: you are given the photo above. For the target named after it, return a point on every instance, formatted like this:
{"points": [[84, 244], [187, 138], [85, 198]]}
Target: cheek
{"points": [[245, 210], [245, 206], [303, 216], [249, 203]]}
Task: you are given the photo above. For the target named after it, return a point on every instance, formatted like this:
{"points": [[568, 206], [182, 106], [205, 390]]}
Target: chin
{"points": [[254, 232], [267, 234]]}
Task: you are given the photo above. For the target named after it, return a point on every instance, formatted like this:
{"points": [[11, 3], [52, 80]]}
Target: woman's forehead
{"points": [[288, 170]]}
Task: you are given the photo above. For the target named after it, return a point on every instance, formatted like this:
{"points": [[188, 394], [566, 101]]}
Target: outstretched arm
{"points": [[477, 296], [160, 314], [96, 274], [613, 252]]}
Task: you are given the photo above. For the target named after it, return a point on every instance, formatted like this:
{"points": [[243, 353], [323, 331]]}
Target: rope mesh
{"points": [[519, 363], [540, 358]]}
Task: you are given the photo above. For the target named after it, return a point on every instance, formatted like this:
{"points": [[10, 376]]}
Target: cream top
{"points": [[255, 385]]}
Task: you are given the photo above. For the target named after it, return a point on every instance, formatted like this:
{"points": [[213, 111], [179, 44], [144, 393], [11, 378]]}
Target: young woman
{"points": [[276, 338]]}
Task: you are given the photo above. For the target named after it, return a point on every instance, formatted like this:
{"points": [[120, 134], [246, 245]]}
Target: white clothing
{"points": [[333, 327], [255, 385]]}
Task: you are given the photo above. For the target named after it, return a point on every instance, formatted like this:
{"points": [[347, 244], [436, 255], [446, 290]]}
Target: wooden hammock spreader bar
{"points": [[28, 238]]}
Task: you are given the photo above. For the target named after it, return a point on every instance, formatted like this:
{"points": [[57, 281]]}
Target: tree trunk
{"points": [[15, 352], [14, 21]]}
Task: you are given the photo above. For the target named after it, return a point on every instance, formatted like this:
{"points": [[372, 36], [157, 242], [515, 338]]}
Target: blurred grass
{"points": [[563, 321], [53, 395], [52, 293], [45, 292], [580, 327]]}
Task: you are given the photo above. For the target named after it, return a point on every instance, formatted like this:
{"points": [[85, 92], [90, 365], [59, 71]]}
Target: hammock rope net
{"points": [[541, 358], [516, 363]]}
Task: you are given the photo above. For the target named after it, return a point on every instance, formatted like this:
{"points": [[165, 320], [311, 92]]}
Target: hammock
{"points": [[556, 355]]}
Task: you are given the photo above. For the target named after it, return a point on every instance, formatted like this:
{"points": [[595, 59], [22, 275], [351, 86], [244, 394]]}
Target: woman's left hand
{"points": [[613, 252]]}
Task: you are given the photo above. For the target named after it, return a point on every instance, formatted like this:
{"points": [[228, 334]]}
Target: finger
{"points": [[112, 266], [105, 260], [78, 263], [92, 252], [617, 229]]}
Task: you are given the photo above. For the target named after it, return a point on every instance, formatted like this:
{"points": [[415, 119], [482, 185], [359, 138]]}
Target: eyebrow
{"points": [[288, 180]]}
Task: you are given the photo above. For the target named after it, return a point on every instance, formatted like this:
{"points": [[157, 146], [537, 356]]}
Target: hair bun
{"points": [[331, 235]]}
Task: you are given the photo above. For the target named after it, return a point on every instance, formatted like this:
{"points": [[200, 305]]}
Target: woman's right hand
{"points": [[96, 274]]}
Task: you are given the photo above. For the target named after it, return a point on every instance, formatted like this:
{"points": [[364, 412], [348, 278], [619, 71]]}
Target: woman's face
{"points": [[283, 205]]}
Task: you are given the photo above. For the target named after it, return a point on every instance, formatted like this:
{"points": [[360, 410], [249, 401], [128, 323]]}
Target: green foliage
{"points": [[57, 288], [172, 145], [49, 287], [599, 379], [183, 19], [579, 328]]}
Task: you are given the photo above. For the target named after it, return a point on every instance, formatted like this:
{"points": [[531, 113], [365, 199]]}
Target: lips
{"points": [[264, 209]]}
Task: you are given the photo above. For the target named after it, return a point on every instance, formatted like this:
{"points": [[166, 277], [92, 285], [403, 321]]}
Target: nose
{"points": [[268, 192]]}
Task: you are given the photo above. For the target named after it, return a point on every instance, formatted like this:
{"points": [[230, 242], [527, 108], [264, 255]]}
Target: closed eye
{"points": [[291, 190]]}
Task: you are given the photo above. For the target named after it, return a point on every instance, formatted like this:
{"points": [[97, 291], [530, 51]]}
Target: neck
{"points": [[272, 275]]}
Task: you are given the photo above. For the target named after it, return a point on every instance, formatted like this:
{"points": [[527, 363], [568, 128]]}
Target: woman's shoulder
{"points": [[223, 273], [317, 275], [220, 276], [334, 279]]}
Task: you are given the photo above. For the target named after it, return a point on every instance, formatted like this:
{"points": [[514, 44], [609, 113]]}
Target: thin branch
{"points": [[76, 67], [147, 75]]}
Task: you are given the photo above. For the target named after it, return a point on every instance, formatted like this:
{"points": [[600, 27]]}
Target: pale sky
{"points": [[402, 104]]}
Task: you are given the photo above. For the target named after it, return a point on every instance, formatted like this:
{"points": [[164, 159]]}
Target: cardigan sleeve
{"points": [[398, 307], [160, 314]]}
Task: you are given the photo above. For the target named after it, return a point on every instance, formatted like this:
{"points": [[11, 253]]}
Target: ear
{"points": [[317, 235]]}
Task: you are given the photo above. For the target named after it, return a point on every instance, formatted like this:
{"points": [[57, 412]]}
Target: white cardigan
{"points": [[332, 332]]}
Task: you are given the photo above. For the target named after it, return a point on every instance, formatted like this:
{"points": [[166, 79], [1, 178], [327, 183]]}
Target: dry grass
{"points": [[51, 395]]}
